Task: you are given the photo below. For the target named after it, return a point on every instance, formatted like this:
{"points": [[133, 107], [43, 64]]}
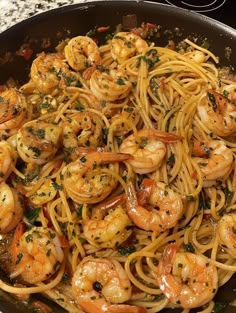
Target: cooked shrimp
{"points": [[84, 179], [226, 228], [147, 148], [110, 85], [165, 207], [123, 122], [102, 285], [81, 52], [125, 45], [11, 210], [7, 160], [107, 227], [196, 56], [185, 278], [44, 194], [13, 111], [218, 113], [50, 72], [217, 162], [37, 255], [82, 129], [38, 141]]}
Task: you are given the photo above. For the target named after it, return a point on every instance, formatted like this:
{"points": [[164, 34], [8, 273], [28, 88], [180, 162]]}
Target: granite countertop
{"points": [[12, 12]]}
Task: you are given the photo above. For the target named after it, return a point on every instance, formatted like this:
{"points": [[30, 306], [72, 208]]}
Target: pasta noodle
{"points": [[117, 177]]}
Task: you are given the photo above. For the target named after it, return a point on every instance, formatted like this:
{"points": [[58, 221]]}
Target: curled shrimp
{"points": [[50, 72], [215, 160], [102, 285], [11, 210], [147, 148], [7, 160], [185, 278], [110, 85], [165, 207], [226, 229], [38, 141], [82, 129], [13, 111], [107, 227], [82, 51], [37, 255], [125, 45], [218, 113], [84, 179]]}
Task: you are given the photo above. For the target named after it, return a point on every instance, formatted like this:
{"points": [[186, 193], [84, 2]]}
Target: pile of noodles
{"points": [[166, 88]]}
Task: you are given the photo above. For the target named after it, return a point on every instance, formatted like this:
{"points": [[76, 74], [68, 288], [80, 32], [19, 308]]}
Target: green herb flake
{"points": [[219, 307], [190, 198], [171, 160], [127, 250], [143, 143], [212, 99], [19, 257], [188, 247], [32, 214], [56, 186], [120, 81]]}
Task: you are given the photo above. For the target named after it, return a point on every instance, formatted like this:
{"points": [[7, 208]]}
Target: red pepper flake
{"points": [[26, 53]]}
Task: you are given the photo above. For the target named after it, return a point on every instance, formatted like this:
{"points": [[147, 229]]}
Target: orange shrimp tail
{"points": [[123, 308], [88, 72], [146, 189], [111, 203], [107, 157], [90, 306], [15, 242], [82, 151], [162, 135], [132, 200], [6, 117], [168, 256], [102, 306]]}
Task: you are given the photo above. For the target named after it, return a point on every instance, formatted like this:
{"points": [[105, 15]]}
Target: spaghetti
{"points": [[118, 177]]}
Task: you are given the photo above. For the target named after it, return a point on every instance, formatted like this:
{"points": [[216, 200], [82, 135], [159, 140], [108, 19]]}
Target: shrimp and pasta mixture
{"points": [[117, 177]]}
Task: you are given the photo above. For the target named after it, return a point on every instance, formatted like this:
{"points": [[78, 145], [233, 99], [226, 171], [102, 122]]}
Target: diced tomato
{"points": [[102, 29], [64, 242], [26, 53], [150, 25], [194, 174], [171, 44], [207, 217], [2, 88], [43, 307]]}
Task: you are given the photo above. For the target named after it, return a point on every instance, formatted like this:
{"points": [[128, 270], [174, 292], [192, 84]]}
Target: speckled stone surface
{"points": [[12, 12]]}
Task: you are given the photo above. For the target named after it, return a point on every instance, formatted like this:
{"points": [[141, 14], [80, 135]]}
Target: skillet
{"points": [[46, 30]]}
